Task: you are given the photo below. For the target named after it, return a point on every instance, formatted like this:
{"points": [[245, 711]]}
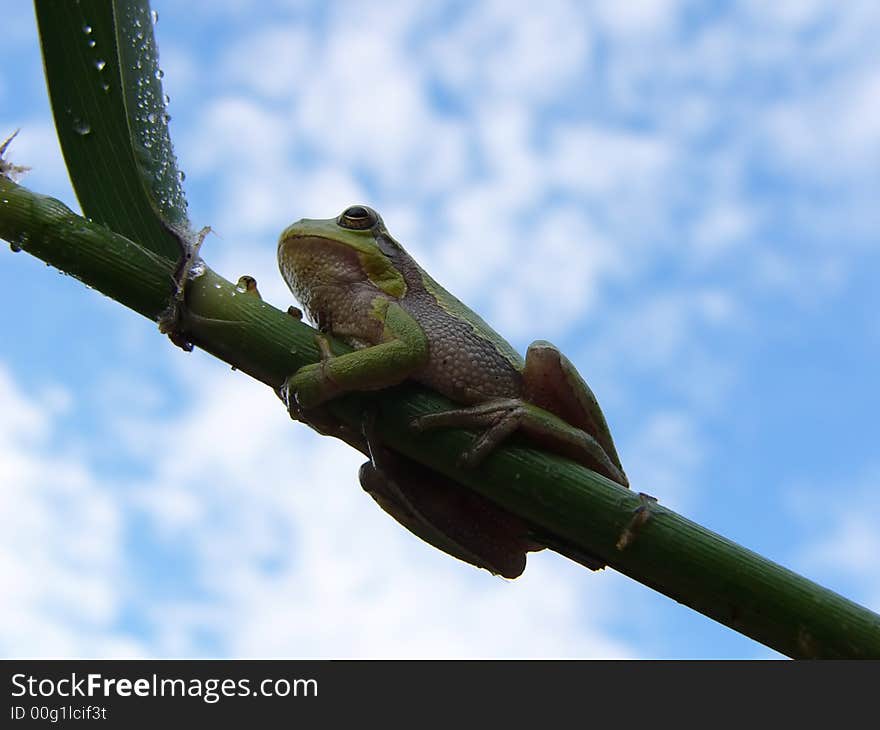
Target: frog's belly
{"points": [[468, 371]]}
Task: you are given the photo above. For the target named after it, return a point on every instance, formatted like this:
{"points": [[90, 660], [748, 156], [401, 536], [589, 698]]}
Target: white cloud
{"points": [[663, 457], [628, 179], [641, 18], [724, 226], [279, 198], [181, 72], [272, 62], [246, 147], [658, 331], [237, 132], [365, 105], [556, 280], [514, 167], [842, 540], [788, 15], [852, 545], [61, 539], [666, 338], [36, 147], [833, 131], [501, 48], [607, 161], [807, 281]]}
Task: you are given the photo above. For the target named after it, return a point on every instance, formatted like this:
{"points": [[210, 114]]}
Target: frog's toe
{"points": [[479, 416], [491, 439], [498, 420], [445, 419], [460, 418]]}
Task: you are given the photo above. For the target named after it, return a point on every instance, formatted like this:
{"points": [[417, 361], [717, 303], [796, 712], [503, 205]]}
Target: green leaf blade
{"points": [[95, 92], [146, 110]]}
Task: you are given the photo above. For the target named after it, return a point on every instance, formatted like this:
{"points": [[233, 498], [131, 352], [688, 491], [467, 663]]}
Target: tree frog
{"points": [[358, 283]]}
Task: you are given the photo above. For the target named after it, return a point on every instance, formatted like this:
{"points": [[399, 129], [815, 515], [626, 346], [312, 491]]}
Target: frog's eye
{"points": [[358, 217]]}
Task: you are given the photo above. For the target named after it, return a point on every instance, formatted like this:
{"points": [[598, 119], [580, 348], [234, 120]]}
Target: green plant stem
{"points": [[578, 508]]}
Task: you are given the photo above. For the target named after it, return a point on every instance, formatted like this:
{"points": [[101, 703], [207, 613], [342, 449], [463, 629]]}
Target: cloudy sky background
{"points": [[683, 196]]}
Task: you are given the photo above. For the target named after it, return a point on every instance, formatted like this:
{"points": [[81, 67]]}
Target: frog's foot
{"points": [[311, 385], [499, 418], [641, 515], [189, 266], [502, 417]]}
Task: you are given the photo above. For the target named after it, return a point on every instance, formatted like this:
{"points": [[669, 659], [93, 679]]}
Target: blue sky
{"points": [[682, 196]]}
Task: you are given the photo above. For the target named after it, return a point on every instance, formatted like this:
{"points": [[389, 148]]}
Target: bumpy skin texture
{"points": [[359, 284], [467, 361]]}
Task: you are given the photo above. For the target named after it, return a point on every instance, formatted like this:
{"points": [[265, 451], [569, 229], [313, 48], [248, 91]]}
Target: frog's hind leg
{"points": [[458, 522], [502, 417], [499, 417], [446, 515], [551, 382]]}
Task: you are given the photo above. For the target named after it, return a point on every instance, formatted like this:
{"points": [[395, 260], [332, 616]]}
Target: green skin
{"points": [[359, 284]]}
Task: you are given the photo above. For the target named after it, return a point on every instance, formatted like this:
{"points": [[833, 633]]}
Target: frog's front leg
{"points": [[557, 410], [404, 350]]}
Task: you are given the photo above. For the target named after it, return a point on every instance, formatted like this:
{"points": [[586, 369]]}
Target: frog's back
{"points": [[468, 361]]}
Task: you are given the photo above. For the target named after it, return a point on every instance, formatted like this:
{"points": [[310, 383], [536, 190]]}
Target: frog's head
{"points": [[338, 253]]}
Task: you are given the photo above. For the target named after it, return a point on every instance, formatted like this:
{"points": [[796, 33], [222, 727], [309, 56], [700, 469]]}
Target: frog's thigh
{"points": [[449, 517], [551, 382]]}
